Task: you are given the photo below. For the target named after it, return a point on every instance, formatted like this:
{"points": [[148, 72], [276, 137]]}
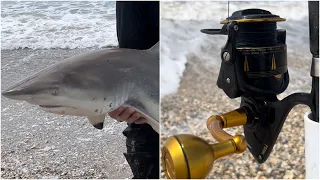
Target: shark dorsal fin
{"points": [[154, 48]]}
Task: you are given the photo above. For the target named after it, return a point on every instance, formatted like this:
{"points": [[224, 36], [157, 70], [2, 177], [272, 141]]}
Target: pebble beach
{"points": [[190, 94]]}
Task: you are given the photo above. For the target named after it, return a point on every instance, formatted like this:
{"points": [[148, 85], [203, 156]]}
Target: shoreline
{"points": [[39, 49]]}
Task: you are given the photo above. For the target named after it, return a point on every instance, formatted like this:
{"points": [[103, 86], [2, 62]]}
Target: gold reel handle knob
{"points": [[187, 156]]}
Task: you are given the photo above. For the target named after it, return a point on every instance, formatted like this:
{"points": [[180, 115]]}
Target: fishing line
{"points": [[257, 34], [228, 10]]}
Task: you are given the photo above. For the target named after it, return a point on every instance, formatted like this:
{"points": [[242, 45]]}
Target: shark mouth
{"points": [[49, 106]]}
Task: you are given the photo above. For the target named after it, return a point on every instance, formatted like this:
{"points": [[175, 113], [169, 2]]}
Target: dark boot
{"points": [[142, 151]]}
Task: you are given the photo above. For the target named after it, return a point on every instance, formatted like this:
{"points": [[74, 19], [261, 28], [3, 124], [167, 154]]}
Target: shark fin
{"points": [[140, 108], [154, 49], [97, 121]]}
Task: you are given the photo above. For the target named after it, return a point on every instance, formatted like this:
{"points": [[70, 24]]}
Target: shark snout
{"points": [[11, 93], [19, 92], [15, 92], [26, 91]]}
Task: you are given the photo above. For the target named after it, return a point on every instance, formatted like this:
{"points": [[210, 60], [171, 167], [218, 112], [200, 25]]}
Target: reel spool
{"points": [[254, 59]]}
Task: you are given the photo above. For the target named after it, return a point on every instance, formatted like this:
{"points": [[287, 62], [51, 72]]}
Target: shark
{"points": [[95, 83]]}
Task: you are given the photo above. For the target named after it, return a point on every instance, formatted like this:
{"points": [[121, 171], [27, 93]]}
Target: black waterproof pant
{"points": [[138, 28]]}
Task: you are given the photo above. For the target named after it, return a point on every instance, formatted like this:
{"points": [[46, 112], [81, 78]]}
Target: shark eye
{"points": [[54, 91]]}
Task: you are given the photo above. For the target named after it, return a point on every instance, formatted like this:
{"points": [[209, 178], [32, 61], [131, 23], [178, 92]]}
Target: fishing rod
{"points": [[253, 68]]}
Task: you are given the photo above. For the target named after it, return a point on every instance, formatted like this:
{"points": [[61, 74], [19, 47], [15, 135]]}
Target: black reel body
{"points": [[254, 67], [254, 59]]}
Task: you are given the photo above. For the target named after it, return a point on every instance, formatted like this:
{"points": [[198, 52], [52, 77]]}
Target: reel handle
{"points": [[234, 118], [187, 156]]}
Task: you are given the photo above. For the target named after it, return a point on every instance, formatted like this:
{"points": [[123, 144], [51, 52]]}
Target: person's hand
{"points": [[128, 115]]}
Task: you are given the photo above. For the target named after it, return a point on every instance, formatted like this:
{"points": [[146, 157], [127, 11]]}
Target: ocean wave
{"points": [[181, 38], [70, 25], [218, 10]]}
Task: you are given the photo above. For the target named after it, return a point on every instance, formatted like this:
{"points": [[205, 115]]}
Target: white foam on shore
{"points": [[218, 10], [48, 24], [181, 23]]}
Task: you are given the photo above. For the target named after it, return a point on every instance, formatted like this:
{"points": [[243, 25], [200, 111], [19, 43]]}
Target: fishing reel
{"points": [[253, 67], [254, 59]]}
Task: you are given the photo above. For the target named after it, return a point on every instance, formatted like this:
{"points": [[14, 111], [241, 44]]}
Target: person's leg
{"points": [[137, 24], [138, 28], [142, 151]]}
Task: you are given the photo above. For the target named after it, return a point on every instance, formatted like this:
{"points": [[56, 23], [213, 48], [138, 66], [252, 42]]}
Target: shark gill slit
{"points": [[126, 94], [116, 96], [123, 91]]}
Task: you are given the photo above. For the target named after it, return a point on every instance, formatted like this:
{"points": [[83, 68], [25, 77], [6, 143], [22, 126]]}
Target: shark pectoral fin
{"points": [[154, 123], [97, 121]]}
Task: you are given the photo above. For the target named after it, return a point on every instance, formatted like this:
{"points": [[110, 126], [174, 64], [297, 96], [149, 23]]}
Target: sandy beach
{"points": [[37, 144]]}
